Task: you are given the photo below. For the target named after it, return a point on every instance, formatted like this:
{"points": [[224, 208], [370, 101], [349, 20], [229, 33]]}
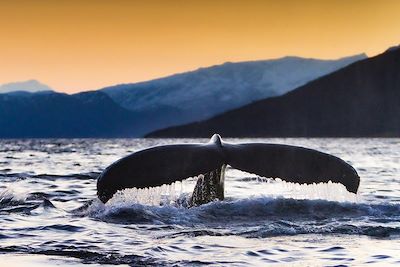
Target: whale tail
{"points": [[166, 164]]}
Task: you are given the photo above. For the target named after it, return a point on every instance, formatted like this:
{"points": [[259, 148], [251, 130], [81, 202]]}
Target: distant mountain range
{"points": [[91, 114], [31, 109], [30, 86], [203, 93], [360, 100]]}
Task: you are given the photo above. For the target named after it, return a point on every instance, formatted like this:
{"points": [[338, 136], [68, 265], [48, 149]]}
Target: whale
{"points": [[166, 164]]}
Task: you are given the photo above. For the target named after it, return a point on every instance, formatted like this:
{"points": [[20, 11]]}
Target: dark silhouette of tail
{"points": [[166, 164]]}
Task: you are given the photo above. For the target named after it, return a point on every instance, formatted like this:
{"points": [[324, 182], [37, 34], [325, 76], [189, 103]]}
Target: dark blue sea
{"points": [[49, 214]]}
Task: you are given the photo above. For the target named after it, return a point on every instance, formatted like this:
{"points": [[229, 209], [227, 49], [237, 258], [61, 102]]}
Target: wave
{"points": [[87, 256], [13, 200], [276, 215], [51, 177]]}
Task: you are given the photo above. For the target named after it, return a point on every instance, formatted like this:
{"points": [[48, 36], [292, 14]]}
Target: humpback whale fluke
{"points": [[170, 163]]}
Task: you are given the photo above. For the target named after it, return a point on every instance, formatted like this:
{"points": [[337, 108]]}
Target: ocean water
{"points": [[49, 214]]}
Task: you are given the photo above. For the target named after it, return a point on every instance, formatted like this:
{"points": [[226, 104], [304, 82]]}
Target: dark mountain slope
{"points": [[90, 114], [360, 100]]}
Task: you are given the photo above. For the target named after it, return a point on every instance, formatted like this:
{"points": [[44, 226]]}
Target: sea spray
{"points": [[176, 193]]}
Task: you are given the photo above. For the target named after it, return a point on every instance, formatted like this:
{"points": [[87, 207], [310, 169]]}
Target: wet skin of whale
{"points": [[170, 163]]}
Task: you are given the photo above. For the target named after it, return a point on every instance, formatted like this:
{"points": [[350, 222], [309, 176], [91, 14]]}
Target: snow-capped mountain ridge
{"points": [[30, 86], [207, 91]]}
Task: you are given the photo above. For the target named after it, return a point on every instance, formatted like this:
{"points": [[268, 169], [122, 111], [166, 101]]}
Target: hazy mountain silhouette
{"points": [[30, 86], [360, 100]]}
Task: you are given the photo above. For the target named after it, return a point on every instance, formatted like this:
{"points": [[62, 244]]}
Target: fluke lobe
{"points": [[166, 164]]}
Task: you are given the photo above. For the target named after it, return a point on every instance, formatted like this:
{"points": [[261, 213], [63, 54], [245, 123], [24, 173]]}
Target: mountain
{"points": [[89, 114], [30, 86], [360, 100], [30, 109], [203, 93]]}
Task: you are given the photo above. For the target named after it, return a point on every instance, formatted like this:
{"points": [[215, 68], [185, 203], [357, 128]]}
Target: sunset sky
{"points": [[82, 45]]}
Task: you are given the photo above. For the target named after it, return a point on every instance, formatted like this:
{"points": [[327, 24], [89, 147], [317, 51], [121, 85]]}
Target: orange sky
{"points": [[88, 44]]}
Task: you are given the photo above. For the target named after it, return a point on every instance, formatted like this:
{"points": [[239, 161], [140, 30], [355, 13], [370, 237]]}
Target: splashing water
{"points": [[327, 191], [172, 194], [178, 193]]}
